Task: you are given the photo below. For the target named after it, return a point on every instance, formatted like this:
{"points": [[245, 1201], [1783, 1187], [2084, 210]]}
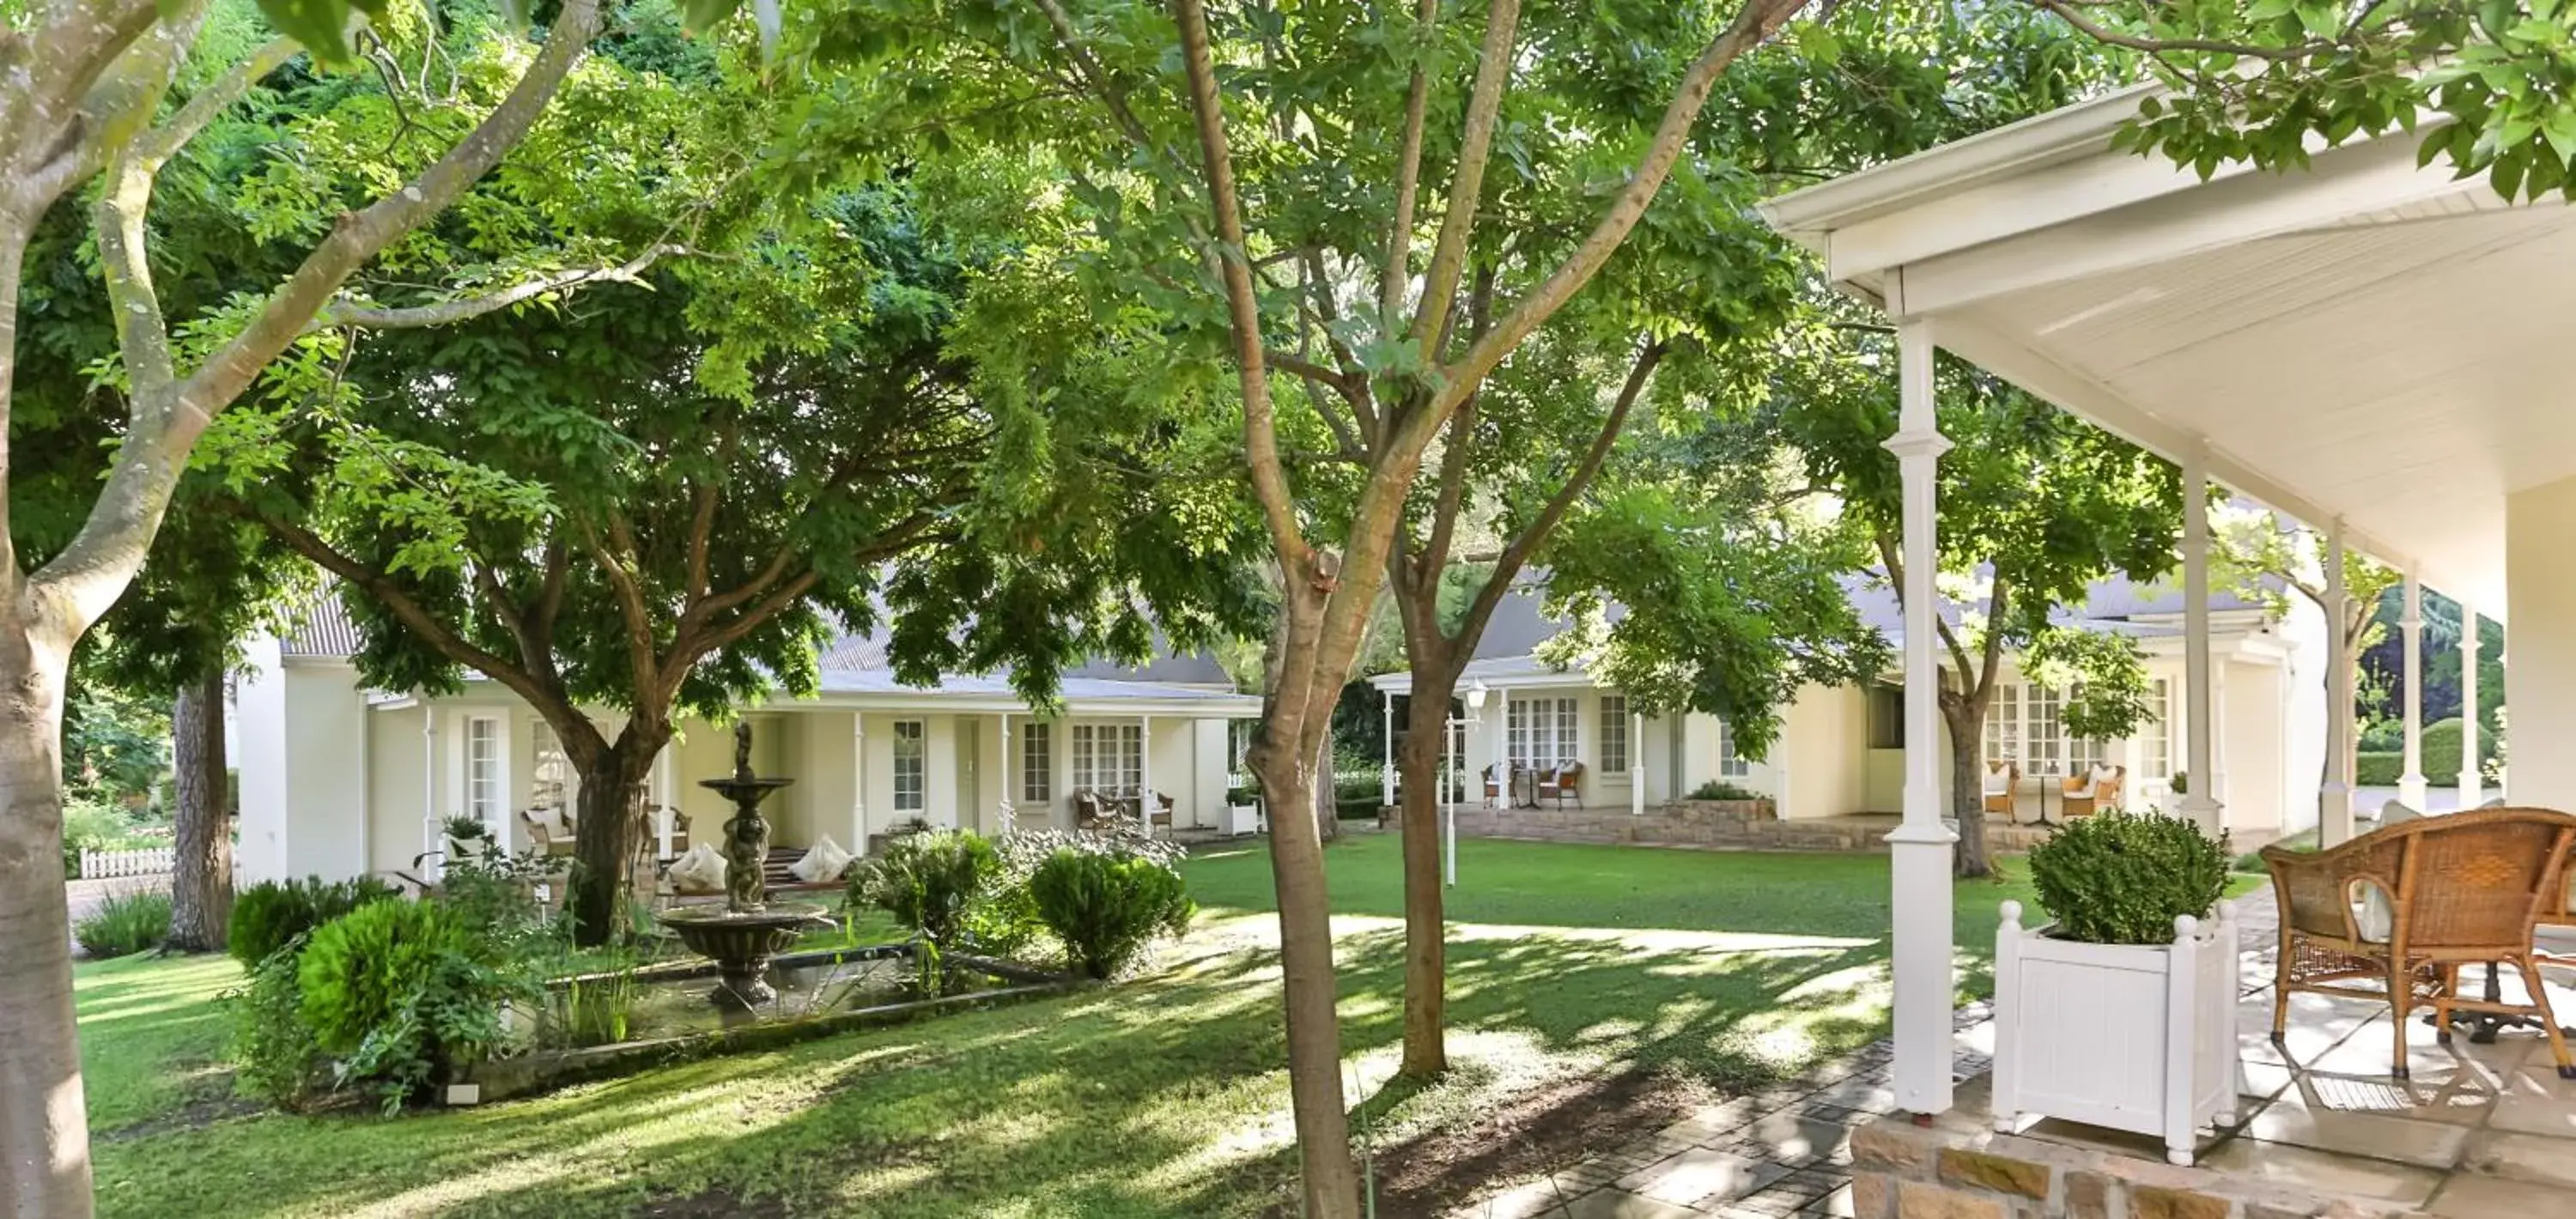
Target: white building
{"points": [[338, 779], [1841, 749]]}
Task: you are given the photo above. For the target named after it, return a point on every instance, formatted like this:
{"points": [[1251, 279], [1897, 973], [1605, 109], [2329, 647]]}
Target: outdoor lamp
{"points": [[1475, 696]]}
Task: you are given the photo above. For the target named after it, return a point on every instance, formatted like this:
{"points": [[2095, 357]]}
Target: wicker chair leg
{"points": [[2281, 988], [2401, 1000], [2442, 1004], [2548, 1018]]}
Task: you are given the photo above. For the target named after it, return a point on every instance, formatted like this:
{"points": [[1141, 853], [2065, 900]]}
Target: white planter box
{"points": [[2133, 1037], [1242, 819]]}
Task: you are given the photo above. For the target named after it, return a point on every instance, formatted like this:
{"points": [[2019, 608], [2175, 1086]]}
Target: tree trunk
{"points": [[1426, 949], [1328, 794], [1306, 960], [1967, 793], [608, 828], [44, 1130], [201, 878]]}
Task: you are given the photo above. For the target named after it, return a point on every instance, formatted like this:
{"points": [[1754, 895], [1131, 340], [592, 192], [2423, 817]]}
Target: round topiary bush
{"points": [[269, 915], [2122, 878], [932, 882], [397, 993]]}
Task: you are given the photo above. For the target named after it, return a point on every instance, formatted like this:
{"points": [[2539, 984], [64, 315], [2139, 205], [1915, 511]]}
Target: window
{"points": [[1730, 764], [1542, 731], [1037, 763], [911, 767], [549, 772], [483, 769], [2047, 746], [1614, 733], [1886, 716], [2003, 725], [2155, 737], [1109, 758]]}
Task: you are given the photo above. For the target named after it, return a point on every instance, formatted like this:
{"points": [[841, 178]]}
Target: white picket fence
{"points": [[99, 865]]}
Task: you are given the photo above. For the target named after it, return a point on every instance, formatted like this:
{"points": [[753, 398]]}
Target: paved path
{"points": [[1783, 1152]]}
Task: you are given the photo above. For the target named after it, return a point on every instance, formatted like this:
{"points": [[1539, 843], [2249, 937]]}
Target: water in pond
{"points": [[612, 1008]]}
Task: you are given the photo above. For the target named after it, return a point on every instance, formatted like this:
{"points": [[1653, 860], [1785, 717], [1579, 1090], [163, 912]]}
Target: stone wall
{"points": [[1951, 1170]]}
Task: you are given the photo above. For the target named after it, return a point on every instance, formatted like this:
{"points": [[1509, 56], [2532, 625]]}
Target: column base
{"points": [[2414, 791], [1924, 938], [2334, 814], [2204, 812], [2473, 790]]}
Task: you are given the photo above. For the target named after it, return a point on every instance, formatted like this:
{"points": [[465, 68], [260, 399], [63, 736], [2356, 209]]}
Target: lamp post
{"points": [[1449, 790]]}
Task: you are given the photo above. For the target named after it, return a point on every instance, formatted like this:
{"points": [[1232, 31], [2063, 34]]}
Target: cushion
{"points": [[558, 825], [701, 870], [2396, 811], [2105, 774], [2083, 788], [825, 862], [2374, 916], [1998, 781]]}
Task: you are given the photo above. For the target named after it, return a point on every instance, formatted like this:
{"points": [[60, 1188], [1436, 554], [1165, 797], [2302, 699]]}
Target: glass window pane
{"points": [[911, 771]]}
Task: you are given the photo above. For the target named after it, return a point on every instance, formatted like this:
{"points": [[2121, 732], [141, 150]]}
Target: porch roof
{"points": [[2362, 339]]}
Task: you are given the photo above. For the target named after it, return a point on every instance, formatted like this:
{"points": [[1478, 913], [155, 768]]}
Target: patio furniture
{"points": [[1493, 789], [551, 831], [1560, 783], [679, 828], [2096, 789], [2002, 780], [1091, 811], [2394, 914]]}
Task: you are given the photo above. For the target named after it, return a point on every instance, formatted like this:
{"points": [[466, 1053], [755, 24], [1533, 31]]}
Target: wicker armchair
{"points": [[1560, 783], [2084, 794], [2007, 777], [2464, 889]]}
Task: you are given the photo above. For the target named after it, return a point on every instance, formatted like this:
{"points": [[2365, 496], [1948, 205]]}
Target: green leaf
{"points": [[699, 16], [318, 24], [2559, 128]]}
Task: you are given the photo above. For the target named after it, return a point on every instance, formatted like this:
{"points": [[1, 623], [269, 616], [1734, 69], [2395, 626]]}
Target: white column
{"points": [[858, 782], [1386, 737], [1920, 848], [1449, 764], [433, 861], [2198, 684], [1503, 750], [1005, 771], [2472, 784], [2334, 796], [2411, 785], [1637, 763], [1145, 774]]}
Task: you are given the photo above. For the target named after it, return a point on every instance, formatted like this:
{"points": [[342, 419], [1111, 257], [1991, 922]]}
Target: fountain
{"points": [[744, 935]]}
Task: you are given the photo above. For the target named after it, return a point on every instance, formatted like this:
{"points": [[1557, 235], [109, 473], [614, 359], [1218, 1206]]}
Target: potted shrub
{"points": [[2120, 1012]]}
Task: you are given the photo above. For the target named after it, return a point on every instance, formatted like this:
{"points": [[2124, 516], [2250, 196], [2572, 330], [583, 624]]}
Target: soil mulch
{"points": [[1535, 1133]]}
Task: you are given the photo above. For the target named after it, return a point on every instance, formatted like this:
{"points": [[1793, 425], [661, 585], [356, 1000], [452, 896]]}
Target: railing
{"points": [[155, 861]]}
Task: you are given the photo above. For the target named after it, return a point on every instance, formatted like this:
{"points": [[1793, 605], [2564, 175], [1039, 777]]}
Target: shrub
{"points": [[269, 915], [1720, 789], [2371, 768], [399, 992], [273, 1053], [2119, 878], [930, 882], [1106, 908], [123, 924]]}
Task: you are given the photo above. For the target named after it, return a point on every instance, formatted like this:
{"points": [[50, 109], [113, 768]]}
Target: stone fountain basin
{"points": [[741, 942]]}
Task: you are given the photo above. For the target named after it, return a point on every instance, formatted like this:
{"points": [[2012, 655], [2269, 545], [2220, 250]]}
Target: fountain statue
{"points": [[747, 932]]}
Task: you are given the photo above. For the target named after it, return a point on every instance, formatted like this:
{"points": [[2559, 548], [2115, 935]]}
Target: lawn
{"points": [[1572, 966]]}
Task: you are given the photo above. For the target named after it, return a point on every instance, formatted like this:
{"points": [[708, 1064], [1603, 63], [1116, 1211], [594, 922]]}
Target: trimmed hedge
{"points": [[2382, 768]]}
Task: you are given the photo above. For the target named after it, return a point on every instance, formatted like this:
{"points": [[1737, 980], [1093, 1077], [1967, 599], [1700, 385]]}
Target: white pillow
{"points": [[2373, 916], [2396, 811], [825, 862], [2105, 773], [1998, 781], [699, 871], [2083, 790], [559, 826]]}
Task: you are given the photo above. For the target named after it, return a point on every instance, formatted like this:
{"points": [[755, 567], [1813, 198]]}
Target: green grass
{"points": [[1162, 1097]]}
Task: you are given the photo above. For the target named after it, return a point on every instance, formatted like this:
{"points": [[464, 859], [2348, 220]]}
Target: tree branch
{"points": [[641, 660], [1243, 309], [450, 312], [1758, 20], [1398, 266], [1467, 181], [89, 573], [2156, 46], [154, 148]]}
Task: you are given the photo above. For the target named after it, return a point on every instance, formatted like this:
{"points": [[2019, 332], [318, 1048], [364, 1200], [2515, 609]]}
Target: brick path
{"points": [[1778, 1153]]}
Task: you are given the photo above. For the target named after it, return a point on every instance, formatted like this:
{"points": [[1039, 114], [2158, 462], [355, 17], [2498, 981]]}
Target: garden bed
{"points": [[821, 993]]}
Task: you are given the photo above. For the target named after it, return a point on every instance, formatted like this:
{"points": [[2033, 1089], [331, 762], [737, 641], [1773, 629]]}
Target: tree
{"points": [[84, 99], [2263, 558], [2036, 506], [1674, 329], [2256, 81]]}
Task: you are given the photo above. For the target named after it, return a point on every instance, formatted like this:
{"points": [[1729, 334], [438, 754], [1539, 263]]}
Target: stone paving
{"points": [[1782, 1152]]}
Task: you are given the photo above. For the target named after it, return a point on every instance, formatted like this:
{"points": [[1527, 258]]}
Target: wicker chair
{"points": [[1561, 783], [2082, 795], [2464, 889], [2009, 774]]}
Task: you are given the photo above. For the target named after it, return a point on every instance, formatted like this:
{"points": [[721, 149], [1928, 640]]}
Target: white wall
{"points": [[260, 725], [2540, 676], [1825, 743]]}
